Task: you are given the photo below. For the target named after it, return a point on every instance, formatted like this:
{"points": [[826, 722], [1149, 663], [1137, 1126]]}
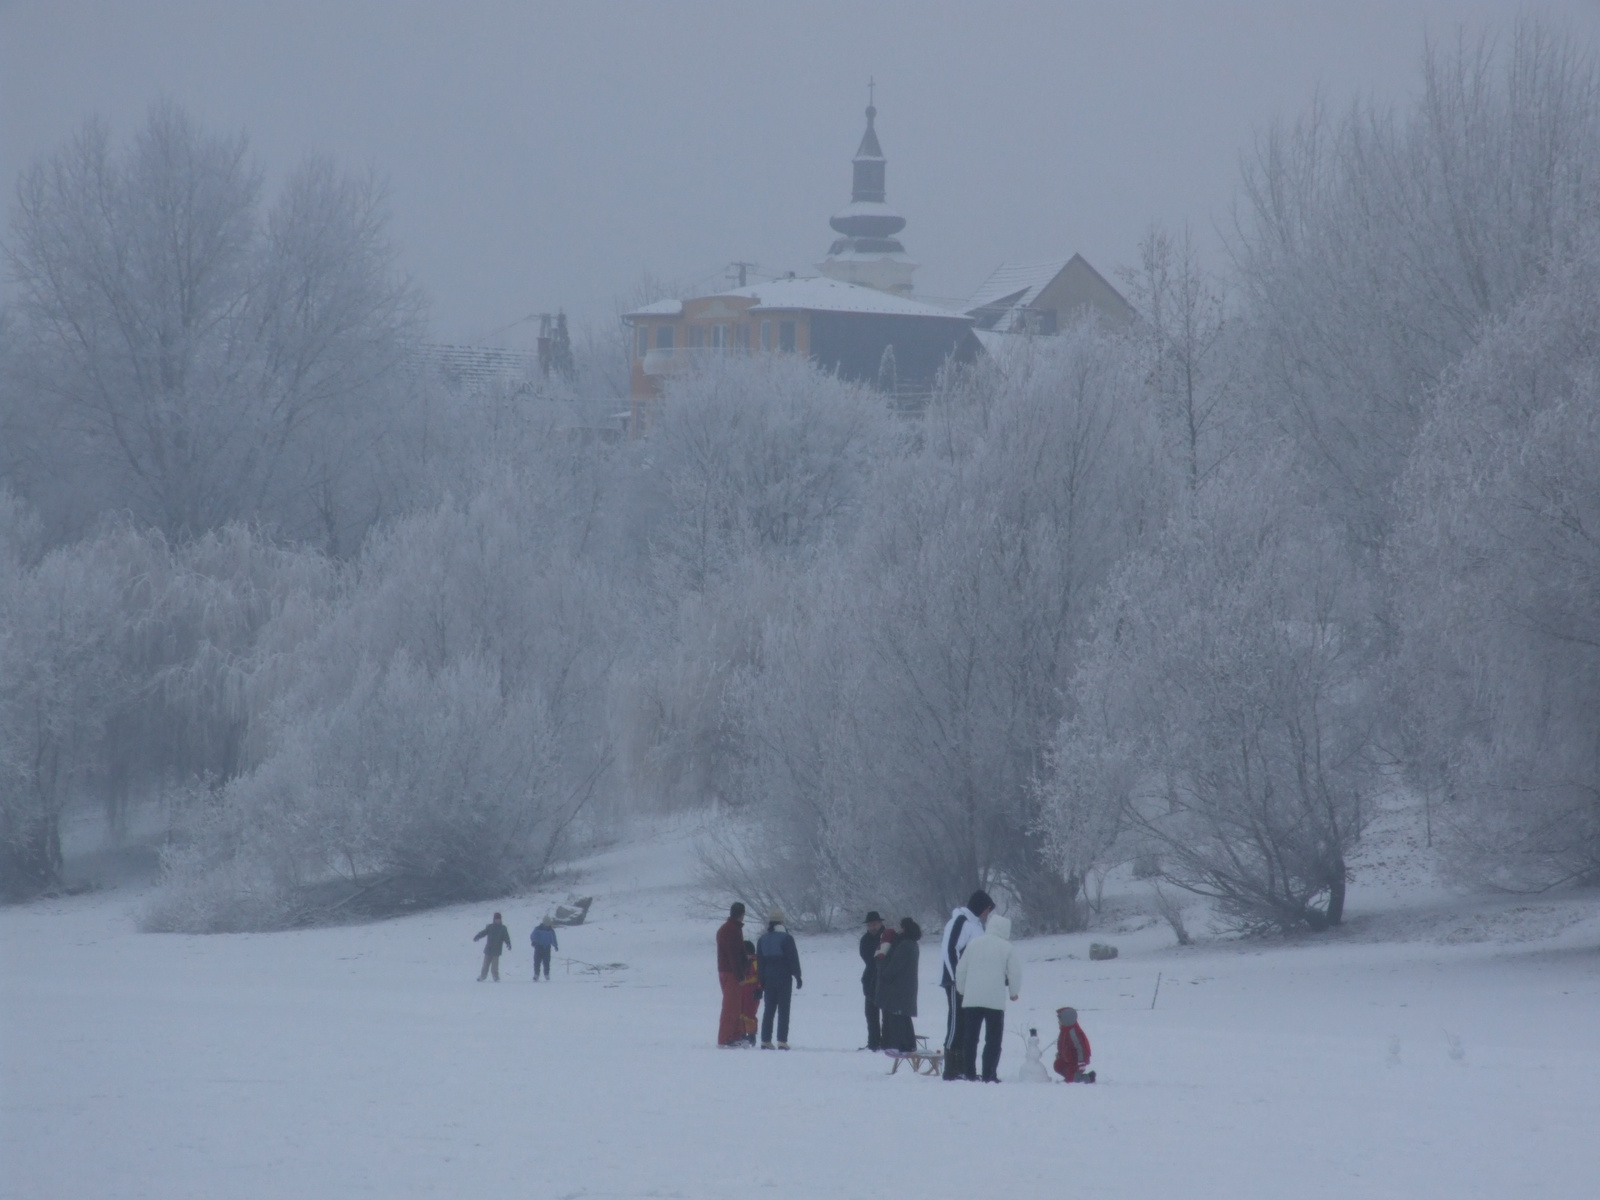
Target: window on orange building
{"points": [[766, 335], [786, 336], [644, 339], [663, 337]]}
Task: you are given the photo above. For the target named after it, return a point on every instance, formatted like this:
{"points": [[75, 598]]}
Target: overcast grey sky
{"points": [[548, 154]]}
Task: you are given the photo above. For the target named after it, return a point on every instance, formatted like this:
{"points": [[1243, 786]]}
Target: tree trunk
{"points": [[1336, 895]]}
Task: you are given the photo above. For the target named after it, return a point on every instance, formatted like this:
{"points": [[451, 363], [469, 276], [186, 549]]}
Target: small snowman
{"points": [[1033, 1069]]}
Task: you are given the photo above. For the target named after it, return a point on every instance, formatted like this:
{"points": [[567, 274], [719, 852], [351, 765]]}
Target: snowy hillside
{"points": [[367, 1061]]}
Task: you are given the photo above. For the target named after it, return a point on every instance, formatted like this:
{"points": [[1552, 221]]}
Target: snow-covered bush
{"points": [[440, 730]]}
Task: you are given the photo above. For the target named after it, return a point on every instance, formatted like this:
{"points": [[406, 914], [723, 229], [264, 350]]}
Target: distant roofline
{"points": [[813, 294]]}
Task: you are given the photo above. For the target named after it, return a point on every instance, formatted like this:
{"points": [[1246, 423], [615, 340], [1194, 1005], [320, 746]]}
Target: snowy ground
{"points": [[366, 1061]]}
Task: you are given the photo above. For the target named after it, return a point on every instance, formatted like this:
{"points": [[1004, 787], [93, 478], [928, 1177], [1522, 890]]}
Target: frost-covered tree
{"points": [[1497, 572], [1227, 702], [1374, 246], [188, 356], [758, 457], [753, 469], [1183, 327], [59, 684], [899, 715]]}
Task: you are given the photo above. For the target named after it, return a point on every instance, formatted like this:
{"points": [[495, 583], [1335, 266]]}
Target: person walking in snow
{"points": [[897, 987], [989, 971], [778, 960], [1072, 1048], [965, 923], [498, 939], [870, 942], [731, 964], [544, 941]]}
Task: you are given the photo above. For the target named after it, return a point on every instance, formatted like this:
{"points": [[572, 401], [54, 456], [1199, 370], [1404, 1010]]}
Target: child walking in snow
{"points": [[1072, 1049], [750, 995], [544, 941]]}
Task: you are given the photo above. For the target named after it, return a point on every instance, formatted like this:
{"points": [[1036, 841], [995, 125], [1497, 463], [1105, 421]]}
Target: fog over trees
{"points": [[1315, 539]]}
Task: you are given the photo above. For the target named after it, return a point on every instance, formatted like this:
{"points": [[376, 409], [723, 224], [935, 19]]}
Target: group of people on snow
{"points": [[766, 971], [754, 973], [980, 971], [497, 939]]}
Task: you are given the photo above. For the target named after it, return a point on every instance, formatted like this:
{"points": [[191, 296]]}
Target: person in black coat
{"points": [[869, 978], [778, 964], [897, 987], [498, 939]]}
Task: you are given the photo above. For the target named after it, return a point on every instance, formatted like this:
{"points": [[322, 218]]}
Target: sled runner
{"points": [[923, 1061]]}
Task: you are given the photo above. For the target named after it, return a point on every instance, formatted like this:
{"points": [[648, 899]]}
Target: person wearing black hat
{"points": [[965, 923], [869, 979]]}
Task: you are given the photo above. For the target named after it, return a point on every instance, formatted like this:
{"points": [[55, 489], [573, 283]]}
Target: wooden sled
{"points": [[923, 1061]]}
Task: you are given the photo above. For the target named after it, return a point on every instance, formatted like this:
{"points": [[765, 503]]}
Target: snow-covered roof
{"points": [[832, 295], [813, 295], [1015, 286], [661, 308]]}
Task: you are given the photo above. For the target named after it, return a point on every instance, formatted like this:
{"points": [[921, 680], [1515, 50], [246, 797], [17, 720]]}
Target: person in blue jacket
{"points": [[544, 941], [778, 962]]}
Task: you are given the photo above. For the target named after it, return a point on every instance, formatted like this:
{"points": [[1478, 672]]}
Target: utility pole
{"points": [[741, 268]]}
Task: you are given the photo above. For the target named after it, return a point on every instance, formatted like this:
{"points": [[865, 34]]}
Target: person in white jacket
{"points": [[988, 972], [965, 923]]}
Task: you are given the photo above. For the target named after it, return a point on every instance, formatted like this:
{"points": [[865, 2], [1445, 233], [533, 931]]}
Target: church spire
{"points": [[869, 253]]}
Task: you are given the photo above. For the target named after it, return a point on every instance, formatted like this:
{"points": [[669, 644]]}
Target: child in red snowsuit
{"points": [[1072, 1049], [749, 996]]}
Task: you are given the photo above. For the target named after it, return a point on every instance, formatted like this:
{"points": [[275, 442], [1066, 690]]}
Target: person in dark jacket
{"points": [[869, 979], [897, 987], [731, 965], [498, 940], [544, 941], [778, 962]]}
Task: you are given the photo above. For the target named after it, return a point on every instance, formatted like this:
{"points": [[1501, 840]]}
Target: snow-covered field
{"points": [[367, 1061]]}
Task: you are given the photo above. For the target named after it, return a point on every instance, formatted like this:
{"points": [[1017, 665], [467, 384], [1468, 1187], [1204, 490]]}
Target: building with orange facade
{"points": [[856, 321]]}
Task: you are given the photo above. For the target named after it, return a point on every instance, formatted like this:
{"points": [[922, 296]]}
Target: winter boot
{"points": [[783, 1045], [768, 1046]]}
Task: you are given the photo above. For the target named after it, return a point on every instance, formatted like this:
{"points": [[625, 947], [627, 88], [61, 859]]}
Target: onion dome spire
{"points": [[868, 252]]}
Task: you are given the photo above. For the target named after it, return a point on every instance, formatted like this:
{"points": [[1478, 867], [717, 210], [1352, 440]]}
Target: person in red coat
{"points": [[1072, 1049], [731, 966]]}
